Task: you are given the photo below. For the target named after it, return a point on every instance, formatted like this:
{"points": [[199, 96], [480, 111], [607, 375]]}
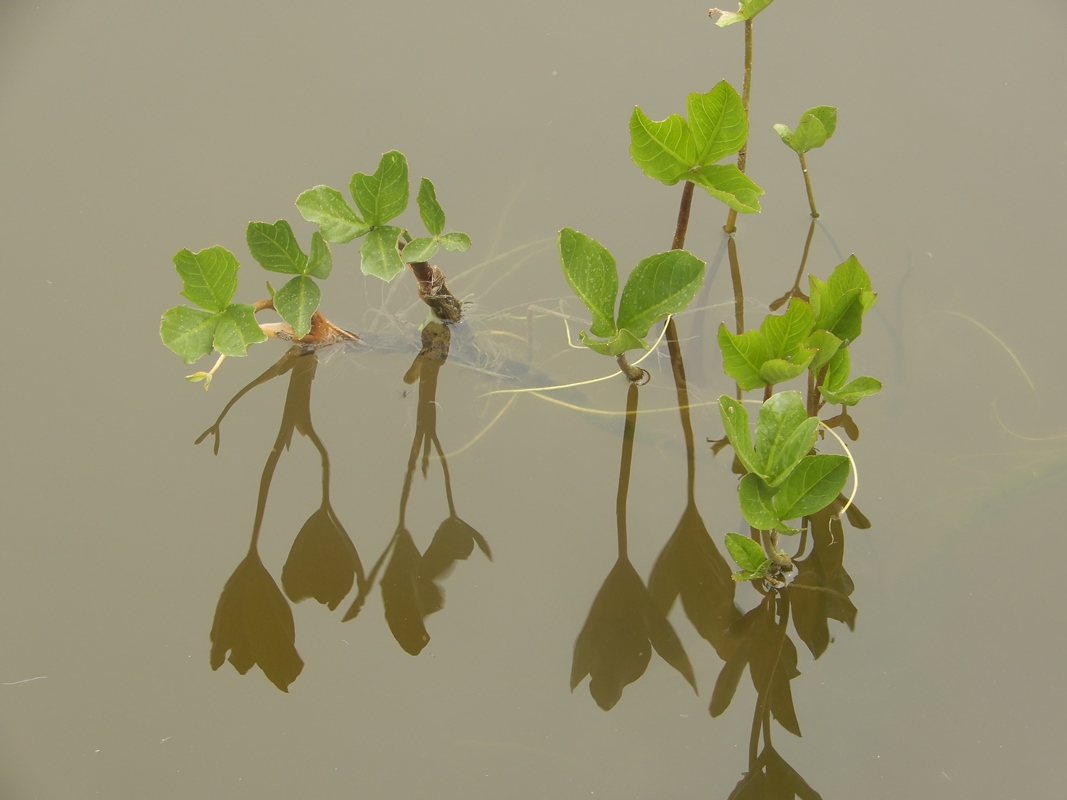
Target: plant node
{"points": [[435, 293], [633, 374]]}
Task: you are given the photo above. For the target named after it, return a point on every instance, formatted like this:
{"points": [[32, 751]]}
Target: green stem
{"points": [[746, 93], [807, 185], [683, 216]]}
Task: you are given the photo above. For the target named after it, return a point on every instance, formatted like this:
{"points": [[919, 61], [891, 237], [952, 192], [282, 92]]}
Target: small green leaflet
{"points": [[748, 555], [816, 126], [747, 10]]}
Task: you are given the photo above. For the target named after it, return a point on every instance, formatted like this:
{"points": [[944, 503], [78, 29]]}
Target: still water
{"points": [[130, 132]]}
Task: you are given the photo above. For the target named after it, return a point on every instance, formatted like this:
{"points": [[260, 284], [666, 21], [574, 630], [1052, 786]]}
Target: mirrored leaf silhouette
{"points": [[765, 647], [691, 566], [454, 541], [771, 778], [823, 586], [773, 665], [616, 642], [323, 562], [254, 624], [409, 597]]}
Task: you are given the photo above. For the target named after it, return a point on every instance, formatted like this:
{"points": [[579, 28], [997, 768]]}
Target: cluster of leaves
{"points": [[808, 336], [783, 482], [380, 198], [658, 286], [677, 149], [209, 279], [210, 276]]}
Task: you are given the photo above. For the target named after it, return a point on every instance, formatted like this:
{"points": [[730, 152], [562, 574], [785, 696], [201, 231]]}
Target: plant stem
{"points": [[635, 375], [682, 225], [746, 93], [807, 185], [682, 391]]}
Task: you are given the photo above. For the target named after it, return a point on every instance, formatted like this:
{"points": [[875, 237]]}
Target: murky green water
{"points": [[132, 131]]}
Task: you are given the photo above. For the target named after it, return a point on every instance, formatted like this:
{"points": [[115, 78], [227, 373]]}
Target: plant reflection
{"points": [[690, 566], [253, 620], [624, 624], [409, 591], [627, 621]]}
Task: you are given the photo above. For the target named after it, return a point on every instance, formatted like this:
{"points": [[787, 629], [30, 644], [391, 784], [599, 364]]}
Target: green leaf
{"points": [[433, 216], [727, 183], [837, 371], [757, 502], [590, 270], [747, 10], [786, 333], [659, 285], [663, 150], [811, 486], [455, 241], [743, 356], [816, 126], [841, 302], [620, 342], [749, 556], [784, 435], [735, 422], [328, 209], [421, 249], [850, 274], [275, 247], [842, 315], [779, 370], [320, 263], [379, 255], [236, 329], [209, 277], [825, 344], [717, 123], [296, 302], [189, 332], [853, 391], [384, 195], [827, 115]]}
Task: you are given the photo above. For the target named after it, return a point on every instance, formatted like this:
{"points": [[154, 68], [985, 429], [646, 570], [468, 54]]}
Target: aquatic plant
{"points": [[209, 277]]}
